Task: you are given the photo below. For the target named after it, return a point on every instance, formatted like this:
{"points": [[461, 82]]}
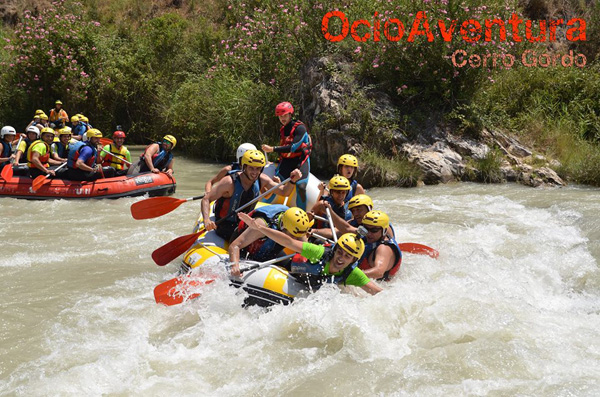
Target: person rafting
{"points": [[33, 134], [113, 154], [8, 134], [291, 221], [338, 188], [77, 127], [318, 264], [237, 189], [157, 157], [347, 166], [39, 155], [60, 149], [294, 150], [58, 116], [83, 158], [243, 148], [382, 257]]}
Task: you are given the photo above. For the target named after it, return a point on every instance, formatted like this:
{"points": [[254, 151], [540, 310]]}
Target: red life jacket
{"points": [[304, 149]]}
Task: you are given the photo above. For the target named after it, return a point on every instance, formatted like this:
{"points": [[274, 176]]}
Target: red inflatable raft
{"points": [[122, 186]]}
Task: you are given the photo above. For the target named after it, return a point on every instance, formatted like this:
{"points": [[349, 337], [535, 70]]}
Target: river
{"points": [[511, 307]]}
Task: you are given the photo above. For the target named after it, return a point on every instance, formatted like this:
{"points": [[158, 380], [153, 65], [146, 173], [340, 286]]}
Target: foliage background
{"points": [[210, 72]]}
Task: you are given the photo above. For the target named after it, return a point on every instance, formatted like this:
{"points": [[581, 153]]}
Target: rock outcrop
{"points": [[339, 126]]}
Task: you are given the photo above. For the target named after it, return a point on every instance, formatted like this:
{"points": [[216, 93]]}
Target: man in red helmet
{"points": [[113, 155], [294, 150]]}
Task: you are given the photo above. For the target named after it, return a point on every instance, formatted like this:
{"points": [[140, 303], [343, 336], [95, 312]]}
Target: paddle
{"points": [[174, 291], [105, 141], [419, 249], [123, 160], [157, 206], [331, 226], [42, 179], [7, 171], [174, 248]]}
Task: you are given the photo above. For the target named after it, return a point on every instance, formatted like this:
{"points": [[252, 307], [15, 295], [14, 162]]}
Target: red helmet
{"points": [[283, 108], [119, 134]]}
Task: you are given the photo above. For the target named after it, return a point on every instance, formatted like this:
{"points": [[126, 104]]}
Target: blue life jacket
{"points": [[161, 159], [342, 211], [371, 247], [264, 248], [6, 149], [236, 166], [74, 154], [61, 150], [352, 192], [23, 158], [312, 274], [225, 207]]}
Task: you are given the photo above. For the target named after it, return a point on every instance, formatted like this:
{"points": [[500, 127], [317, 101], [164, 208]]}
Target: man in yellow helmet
{"points": [[39, 155], [338, 188], [237, 189], [157, 157], [58, 117], [291, 221], [382, 257], [317, 264], [83, 160]]}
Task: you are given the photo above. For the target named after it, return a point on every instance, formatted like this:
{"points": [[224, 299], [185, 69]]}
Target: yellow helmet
{"points": [[93, 133], [58, 102], [254, 158], [74, 118], [360, 199], [38, 112], [44, 116], [84, 119], [339, 182], [46, 130], [171, 139], [296, 221], [376, 218], [348, 159], [352, 244], [64, 131]]}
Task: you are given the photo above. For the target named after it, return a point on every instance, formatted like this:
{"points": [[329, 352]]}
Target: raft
{"points": [[267, 286], [160, 184]]}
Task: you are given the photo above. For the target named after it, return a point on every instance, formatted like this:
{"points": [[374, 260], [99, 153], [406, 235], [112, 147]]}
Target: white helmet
{"points": [[8, 130], [33, 129], [243, 148]]}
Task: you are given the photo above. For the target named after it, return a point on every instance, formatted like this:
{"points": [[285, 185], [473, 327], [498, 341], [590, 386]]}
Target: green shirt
{"points": [[314, 252]]}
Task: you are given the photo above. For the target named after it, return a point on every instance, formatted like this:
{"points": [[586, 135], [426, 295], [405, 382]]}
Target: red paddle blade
{"points": [[176, 290], [105, 141], [7, 172], [154, 207], [38, 182], [174, 248], [419, 249]]}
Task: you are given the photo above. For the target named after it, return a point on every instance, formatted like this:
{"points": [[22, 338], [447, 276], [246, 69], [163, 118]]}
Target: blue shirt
{"points": [[85, 153]]}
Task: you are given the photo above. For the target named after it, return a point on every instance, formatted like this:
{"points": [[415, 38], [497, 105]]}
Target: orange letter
{"points": [[414, 31], [446, 33], [581, 30], [529, 33], [386, 29], [515, 22], [325, 26], [474, 27], [488, 29], [354, 27]]}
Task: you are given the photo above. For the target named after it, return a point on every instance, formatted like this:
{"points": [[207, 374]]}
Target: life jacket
{"points": [[6, 151], [74, 152], [225, 206], [352, 192], [370, 248], [341, 211], [264, 248], [116, 154], [23, 158], [312, 274], [55, 116], [303, 150], [160, 159], [43, 158], [235, 166], [61, 150]]}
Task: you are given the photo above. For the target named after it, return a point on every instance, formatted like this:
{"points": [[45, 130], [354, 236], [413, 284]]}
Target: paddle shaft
{"points": [[48, 175], [18, 143], [331, 224], [123, 160]]}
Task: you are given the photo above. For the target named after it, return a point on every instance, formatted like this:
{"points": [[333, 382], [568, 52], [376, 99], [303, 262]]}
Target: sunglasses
{"points": [[373, 229]]}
